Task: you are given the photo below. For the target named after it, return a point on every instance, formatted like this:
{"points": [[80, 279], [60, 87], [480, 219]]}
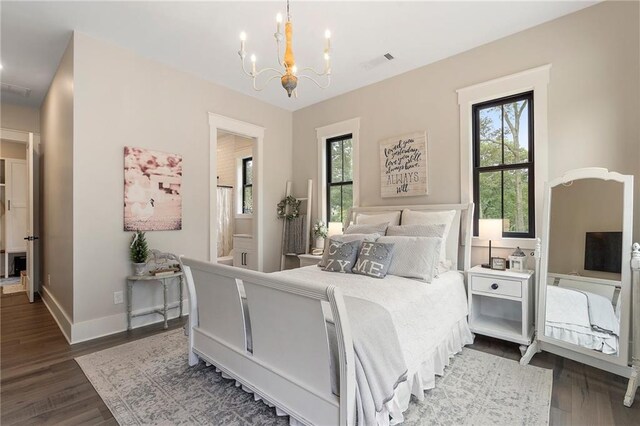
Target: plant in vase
{"points": [[139, 252], [319, 233]]}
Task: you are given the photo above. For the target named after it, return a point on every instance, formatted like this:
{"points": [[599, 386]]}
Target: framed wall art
{"points": [[403, 166], [152, 190]]}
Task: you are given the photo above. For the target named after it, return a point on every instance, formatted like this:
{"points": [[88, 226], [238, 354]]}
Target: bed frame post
{"points": [[346, 357], [634, 379], [467, 227]]}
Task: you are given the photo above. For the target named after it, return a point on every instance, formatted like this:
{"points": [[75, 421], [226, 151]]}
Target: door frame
{"points": [[30, 140], [220, 123]]}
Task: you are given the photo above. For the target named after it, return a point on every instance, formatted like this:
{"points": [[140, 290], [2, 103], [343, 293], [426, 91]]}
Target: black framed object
{"points": [[503, 164], [247, 185], [499, 263], [339, 183]]}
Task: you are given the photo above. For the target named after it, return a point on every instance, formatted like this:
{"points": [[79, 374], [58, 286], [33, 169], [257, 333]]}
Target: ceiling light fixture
{"points": [[288, 77]]}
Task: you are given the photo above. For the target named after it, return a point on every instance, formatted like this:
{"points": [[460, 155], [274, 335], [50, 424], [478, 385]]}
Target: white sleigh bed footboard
{"points": [[271, 335]]}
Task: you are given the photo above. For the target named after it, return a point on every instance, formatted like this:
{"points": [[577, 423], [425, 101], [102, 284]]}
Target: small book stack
{"points": [[163, 272]]}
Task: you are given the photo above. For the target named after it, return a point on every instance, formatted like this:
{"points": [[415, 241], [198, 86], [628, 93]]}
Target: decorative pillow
{"points": [[414, 257], [410, 217], [424, 231], [342, 256], [392, 218], [416, 231], [379, 228], [344, 239], [373, 259]]}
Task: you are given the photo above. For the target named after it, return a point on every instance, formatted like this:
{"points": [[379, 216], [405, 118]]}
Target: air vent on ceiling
{"points": [[25, 92], [375, 62]]}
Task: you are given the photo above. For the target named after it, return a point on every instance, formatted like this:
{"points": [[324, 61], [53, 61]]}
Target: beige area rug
{"points": [[149, 382], [12, 288]]}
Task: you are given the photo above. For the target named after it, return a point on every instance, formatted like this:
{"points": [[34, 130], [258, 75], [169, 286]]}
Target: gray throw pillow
{"points": [[342, 256], [414, 257], [374, 259], [345, 239], [379, 228]]}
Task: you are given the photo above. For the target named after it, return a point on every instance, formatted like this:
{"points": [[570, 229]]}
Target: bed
{"points": [[584, 312], [287, 336]]}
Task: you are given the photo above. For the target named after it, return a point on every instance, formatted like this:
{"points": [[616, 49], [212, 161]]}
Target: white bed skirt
{"points": [[425, 378], [417, 382]]}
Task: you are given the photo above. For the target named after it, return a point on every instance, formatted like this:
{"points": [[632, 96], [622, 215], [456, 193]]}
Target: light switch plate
{"points": [[118, 297]]}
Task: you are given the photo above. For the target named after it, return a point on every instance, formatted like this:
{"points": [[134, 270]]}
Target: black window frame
{"points": [[328, 182], [245, 184], [529, 165]]}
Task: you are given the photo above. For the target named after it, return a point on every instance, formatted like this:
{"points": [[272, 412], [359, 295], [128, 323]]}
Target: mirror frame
{"points": [[622, 358]]}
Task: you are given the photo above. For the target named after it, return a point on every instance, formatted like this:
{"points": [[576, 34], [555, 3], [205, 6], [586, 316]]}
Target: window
{"points": [[247, 185], [503, 164], [339, 162]]}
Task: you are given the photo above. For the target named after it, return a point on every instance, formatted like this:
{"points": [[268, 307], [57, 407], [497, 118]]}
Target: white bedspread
{"points": [[567, 319], [423, 314], [430, 320]]}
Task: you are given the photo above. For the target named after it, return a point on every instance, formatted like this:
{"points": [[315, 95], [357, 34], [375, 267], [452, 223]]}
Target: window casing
{"points": [[247, 185], [339, 177], [503, 164]]}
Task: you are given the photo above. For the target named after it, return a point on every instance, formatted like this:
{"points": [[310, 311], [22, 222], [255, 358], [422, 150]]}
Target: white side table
{"points": [[308, 260], [164, 280], [501, 304]]}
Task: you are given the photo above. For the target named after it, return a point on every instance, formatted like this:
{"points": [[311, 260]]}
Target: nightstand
{"points": [[308, 260], [501, 304]]}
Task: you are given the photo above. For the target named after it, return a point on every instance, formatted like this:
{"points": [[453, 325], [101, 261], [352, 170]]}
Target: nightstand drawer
{"points": [[497, 286]]}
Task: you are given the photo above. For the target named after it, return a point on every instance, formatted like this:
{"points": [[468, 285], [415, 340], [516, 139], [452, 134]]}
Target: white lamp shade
{"points": [[335, 228], [490, 229]]}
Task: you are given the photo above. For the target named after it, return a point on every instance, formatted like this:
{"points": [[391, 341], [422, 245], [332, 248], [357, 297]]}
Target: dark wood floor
{"points": [[42, 384]]}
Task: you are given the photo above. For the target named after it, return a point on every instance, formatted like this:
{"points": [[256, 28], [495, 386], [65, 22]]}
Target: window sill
{"points": [[243, 216], [523, 243]]}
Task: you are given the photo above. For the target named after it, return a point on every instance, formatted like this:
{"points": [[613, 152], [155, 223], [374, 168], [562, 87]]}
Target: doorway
{"points": [[235, 194], [19, 207]]}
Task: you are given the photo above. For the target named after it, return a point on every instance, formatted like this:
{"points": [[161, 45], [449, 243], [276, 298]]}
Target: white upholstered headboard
{"points": [[458, 243]]}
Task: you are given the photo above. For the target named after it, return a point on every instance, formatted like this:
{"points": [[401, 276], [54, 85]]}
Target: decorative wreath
{"points": [[288, 208]]}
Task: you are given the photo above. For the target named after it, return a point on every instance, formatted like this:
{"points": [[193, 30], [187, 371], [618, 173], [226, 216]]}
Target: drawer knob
{"points": [[494, 286]]}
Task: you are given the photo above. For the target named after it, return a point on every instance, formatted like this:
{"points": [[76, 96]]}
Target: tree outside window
{"points": [[503, 181], [339, 177]]}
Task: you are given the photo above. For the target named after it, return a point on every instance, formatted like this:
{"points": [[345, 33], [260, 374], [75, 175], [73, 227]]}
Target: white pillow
{"points": [[416, 230], [392, 218], [380, 228], [414, 257], [410, 217], [344, 239]]}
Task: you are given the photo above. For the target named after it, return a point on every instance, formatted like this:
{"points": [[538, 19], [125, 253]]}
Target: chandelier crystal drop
{"points": [[289, 72]]}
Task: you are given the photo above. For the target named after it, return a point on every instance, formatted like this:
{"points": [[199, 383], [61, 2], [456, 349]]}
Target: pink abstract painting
{"points": [[152, 190]]}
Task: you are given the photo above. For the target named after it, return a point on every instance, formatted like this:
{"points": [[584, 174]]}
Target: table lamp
{"points": [[334, 228], [490, 229]]}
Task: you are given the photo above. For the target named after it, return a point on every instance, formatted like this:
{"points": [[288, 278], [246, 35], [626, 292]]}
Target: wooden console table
{"points": [[164, 280]]}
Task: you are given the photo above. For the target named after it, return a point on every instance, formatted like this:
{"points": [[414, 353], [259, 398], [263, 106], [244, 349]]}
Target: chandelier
{"points": [[289, 72]]}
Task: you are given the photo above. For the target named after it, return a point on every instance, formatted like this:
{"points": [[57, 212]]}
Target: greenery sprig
{"points": [[288, 208], [320, 230]]}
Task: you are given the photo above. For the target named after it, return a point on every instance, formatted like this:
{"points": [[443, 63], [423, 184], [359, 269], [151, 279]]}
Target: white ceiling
{"points": [[202, 37]]}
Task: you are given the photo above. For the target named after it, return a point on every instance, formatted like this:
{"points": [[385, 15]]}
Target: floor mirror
{"points": [[586, 274]]}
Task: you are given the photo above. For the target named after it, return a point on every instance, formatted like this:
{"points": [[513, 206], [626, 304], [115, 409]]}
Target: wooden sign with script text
{"points": [[403, 166]]}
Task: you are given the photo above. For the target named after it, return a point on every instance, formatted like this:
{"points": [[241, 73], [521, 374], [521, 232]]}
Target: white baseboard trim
{"points": [[59, 315], [100, 327]]}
